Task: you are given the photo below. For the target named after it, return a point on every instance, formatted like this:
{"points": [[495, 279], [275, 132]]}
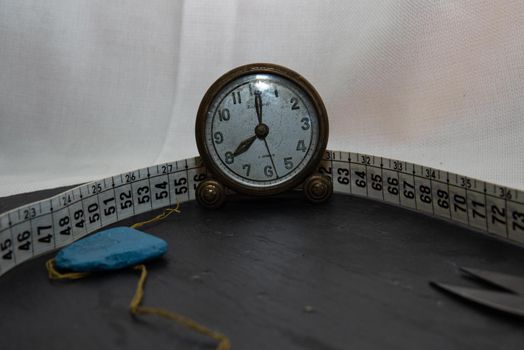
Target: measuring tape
{"points": [[40, 227]]}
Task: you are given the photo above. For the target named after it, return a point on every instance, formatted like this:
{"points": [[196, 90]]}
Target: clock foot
{"points": [[210, 194], [318, 188]]}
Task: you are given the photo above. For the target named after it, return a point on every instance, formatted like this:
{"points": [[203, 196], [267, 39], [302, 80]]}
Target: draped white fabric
{"points": [[93, 88]]}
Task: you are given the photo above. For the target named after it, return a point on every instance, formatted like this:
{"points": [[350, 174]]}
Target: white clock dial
{"points": [[261, 130]]}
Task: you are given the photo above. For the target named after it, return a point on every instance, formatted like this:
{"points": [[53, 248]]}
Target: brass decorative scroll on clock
{"points": [[262, 129]]}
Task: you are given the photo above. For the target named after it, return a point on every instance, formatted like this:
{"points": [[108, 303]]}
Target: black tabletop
{"points": [[274, 274]]}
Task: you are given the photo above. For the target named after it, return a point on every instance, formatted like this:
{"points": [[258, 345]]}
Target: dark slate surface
{"points": [[251, 269]]}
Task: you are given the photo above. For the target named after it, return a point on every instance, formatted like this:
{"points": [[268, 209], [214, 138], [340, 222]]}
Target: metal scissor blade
{"points": [[505, 302], [511, 283]]}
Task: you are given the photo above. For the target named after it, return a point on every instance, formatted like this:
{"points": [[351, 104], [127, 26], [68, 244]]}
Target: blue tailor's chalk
{"points": [[110, 250]]}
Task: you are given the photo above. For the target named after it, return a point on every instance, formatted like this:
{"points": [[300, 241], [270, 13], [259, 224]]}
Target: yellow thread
{"points": [[54, 274], [162, 216], [137, 309]]}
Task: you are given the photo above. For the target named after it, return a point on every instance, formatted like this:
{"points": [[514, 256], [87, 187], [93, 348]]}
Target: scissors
{"points": [[510, 298]]}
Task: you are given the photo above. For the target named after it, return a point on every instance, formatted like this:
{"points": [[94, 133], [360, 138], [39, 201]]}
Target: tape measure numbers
{"points": [[487, 207], [40, 227]]}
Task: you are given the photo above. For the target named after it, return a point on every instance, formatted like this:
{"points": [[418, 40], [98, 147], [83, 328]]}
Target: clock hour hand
{"points": [[258, 106], [244, 145]]}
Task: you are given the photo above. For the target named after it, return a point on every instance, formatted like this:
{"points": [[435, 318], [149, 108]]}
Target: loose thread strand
{"points": [[136, 309], [159, 217], [54, 274]]}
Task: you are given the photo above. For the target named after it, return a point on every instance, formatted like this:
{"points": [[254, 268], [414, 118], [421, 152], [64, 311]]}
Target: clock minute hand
{"points": [[258, 106], [244, 145]]}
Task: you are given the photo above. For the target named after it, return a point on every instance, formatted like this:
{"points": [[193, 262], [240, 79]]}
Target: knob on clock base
{"points": [[210, 194], [318, 188]]}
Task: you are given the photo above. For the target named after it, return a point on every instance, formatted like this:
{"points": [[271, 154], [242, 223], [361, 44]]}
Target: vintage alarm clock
{"points": [[261, 130]]}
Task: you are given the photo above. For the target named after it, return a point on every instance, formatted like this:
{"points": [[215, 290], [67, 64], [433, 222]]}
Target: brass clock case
{"points": [[268, 69]]}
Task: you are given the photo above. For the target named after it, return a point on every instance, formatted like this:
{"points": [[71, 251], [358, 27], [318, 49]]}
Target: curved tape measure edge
{"points": [[40, 227]]}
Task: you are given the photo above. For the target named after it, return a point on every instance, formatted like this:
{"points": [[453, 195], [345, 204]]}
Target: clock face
{"points": [[261, 131]]}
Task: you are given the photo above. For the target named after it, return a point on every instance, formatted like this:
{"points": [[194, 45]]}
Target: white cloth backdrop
{"points": [[91, 88]]}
